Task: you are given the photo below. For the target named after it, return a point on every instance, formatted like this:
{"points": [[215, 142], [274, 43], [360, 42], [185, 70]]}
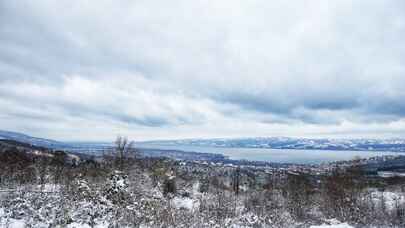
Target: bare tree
{"points": [[42, 166], [123, 150], [236, 181]]}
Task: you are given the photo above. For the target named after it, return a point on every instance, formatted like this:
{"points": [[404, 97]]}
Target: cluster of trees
{"points": [[47, 188]]}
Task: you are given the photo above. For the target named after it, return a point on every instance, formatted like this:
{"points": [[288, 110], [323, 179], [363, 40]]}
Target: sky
{"points": [[156, 69]]}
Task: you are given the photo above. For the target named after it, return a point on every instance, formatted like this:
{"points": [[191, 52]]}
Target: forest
{"points": [[40, 187]]}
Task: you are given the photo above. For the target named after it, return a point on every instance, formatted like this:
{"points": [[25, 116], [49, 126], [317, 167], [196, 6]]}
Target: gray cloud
{"points": [[202, 68]]}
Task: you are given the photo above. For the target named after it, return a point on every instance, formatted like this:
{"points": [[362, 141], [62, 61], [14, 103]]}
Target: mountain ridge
{"points": [[36, 141], [394, 144]]}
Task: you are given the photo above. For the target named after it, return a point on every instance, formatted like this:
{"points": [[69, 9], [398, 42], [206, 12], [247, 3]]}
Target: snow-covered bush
{"points": [[116, 189]]}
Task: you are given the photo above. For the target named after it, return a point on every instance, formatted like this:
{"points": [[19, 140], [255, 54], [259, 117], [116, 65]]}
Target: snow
{"points": [[391, 199], [78, 225], [12, 223], [333, 223], [341, 225], [186, 203], [196, 187]]}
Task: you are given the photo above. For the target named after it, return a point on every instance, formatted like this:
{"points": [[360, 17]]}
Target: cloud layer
{"points": [[161, 69]]}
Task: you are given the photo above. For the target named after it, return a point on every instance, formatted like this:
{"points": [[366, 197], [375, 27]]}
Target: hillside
{"points": [[31, 140]]}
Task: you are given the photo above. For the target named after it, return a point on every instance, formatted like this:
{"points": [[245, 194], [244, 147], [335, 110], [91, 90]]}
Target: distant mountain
{"points": [[48, 143], [396, 145]]}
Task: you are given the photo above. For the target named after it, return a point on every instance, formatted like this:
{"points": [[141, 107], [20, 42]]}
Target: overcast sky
{"points": [[156, 69]]}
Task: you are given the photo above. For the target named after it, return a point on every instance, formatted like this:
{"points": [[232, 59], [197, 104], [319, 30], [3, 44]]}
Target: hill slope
{"points": [[48, 143]]}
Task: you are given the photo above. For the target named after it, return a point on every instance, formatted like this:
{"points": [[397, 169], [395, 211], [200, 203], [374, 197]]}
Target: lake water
{"points": [[277, 155]]}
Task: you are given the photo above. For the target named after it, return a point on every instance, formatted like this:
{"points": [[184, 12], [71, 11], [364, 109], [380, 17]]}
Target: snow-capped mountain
{"points": [[293, 143]]}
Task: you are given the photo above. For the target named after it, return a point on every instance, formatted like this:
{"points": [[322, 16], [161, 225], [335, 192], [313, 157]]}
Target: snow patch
{"points": [[391, 199], [341, 225], [186, 203], [333, 223]]}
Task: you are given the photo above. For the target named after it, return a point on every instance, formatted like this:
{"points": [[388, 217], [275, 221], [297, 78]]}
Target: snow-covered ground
{"points": [[185, 203], [391, 199], [333, 223], [341, 225]]}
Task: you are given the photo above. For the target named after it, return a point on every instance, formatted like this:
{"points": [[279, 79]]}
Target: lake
{"points": [[276, 155]]}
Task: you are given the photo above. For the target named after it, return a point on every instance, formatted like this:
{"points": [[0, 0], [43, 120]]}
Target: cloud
{"points": [[202, 68]]}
